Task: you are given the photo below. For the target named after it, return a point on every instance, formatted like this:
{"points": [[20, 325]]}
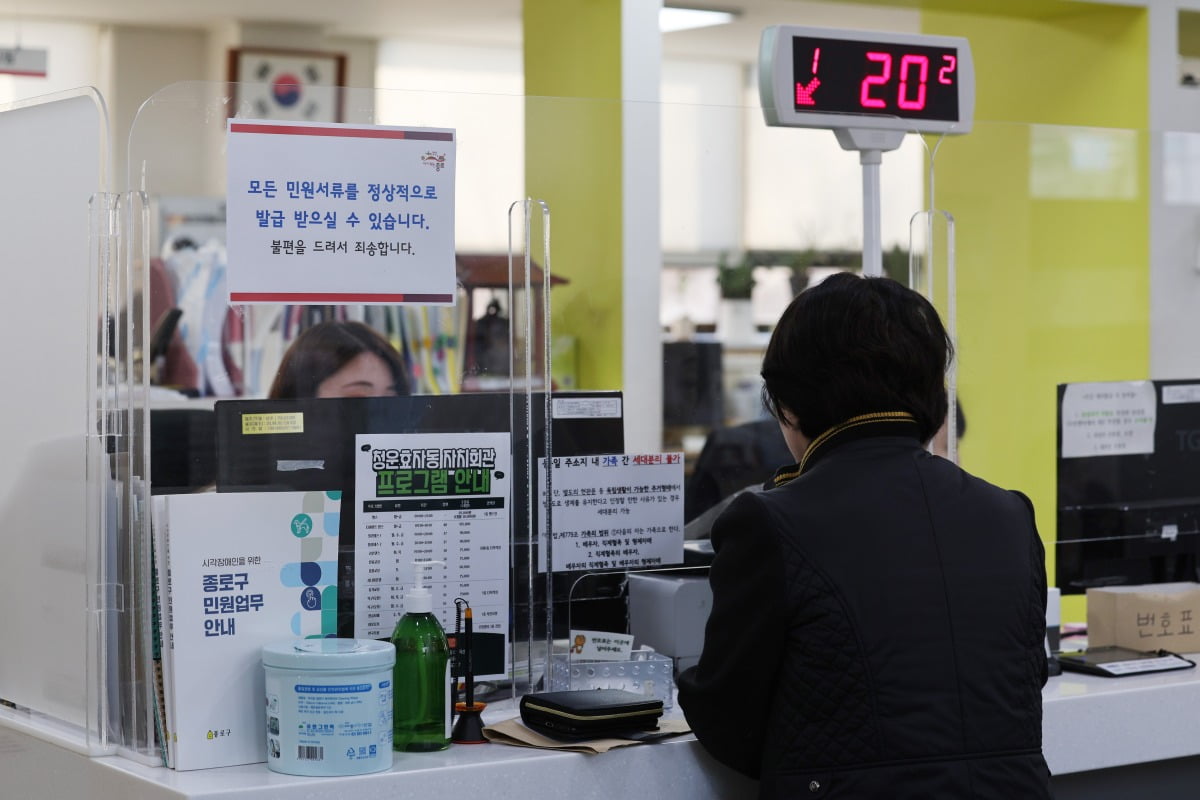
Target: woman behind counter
{"points": [[340, 359], [878, 615]]}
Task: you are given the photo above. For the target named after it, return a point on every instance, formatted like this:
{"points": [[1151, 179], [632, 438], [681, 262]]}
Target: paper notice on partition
{"points": [[331, 213], [612, 512], [1108, 419], [431, 497]]}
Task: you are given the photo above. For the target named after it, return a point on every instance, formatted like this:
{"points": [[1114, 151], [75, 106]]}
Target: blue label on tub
{"points": [[350, 688], [322, 723]]}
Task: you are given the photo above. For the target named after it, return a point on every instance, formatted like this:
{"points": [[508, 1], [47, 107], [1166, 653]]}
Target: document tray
{"points": [[1114, 662]]}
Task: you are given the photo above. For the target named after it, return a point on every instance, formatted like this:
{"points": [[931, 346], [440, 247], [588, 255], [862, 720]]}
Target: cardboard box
{"points": [[1149, 617]]}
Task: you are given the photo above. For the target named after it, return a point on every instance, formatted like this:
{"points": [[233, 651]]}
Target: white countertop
{"points": [[1092, 722], [679, 767], [1089, 722]]}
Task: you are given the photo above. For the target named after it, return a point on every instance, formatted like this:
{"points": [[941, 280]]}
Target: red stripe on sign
{"points": [[21, 73], [301, 298], [357, 133]]}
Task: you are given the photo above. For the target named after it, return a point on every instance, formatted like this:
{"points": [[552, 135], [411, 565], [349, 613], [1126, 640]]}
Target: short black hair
{"points": [[852, 345], [325, 348]]}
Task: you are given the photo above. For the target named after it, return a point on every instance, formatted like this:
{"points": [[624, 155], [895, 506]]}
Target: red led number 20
{"points": [[913, 68]]}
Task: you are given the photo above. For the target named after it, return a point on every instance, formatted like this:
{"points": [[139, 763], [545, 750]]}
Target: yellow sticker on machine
{"points": [[292, 422]]}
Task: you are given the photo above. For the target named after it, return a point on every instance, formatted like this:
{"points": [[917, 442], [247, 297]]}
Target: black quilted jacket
{"points": [[876, 631]]}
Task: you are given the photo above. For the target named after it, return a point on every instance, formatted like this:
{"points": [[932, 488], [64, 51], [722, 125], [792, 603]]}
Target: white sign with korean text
{"points": [[600, 645], [1108, 419], [23, 61], [612, 512], [335, 214]]}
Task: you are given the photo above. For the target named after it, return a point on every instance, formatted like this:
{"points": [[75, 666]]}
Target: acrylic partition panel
{"points": [[932, 271], [477, 366], [1054, 262], [1127, 505], [57, 239]]}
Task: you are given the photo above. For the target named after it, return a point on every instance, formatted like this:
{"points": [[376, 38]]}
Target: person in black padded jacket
{"points": [[878, 613]]}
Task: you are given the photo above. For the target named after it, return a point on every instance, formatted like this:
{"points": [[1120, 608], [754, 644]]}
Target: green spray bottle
{"points": [[421, 677]]}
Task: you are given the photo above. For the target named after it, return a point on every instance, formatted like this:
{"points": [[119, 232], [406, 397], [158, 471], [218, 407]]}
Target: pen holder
{"points": [[468, 728], [646, 672]]}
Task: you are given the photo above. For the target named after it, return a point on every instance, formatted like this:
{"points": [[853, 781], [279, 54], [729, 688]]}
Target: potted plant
{"points": [[736, 281]]}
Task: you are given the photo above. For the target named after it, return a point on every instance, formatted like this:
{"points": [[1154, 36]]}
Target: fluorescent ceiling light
{"points": [[682, 19]]}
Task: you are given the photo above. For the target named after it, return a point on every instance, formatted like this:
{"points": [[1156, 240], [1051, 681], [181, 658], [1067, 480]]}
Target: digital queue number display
{"points": [[826, 78]]}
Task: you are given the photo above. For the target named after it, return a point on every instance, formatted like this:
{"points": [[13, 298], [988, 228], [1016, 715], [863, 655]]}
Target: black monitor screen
{"points": [[320, 457], [1128, 484]]}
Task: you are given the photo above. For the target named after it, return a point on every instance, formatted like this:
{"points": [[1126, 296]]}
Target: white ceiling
{"points": [[474, 21]]}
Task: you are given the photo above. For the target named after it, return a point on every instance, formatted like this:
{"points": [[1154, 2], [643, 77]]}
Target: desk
{"points": [[1136, 736], [31, 769]]}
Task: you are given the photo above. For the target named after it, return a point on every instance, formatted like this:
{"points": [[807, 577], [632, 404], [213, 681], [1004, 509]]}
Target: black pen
{"points": [[470, 668]]}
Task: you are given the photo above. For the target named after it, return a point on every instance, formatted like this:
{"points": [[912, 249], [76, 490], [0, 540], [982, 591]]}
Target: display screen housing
{"points": [[841, 79], [856, 77], [1132, 519], [250, 462]]}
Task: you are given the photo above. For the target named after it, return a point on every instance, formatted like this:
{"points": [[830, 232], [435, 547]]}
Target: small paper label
{"points": [[254, 424], [601, 646], [1189, 393], [297, 464], [1143, 665], [585, 407]]}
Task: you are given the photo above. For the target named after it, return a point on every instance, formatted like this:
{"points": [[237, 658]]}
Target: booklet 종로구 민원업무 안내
{"points": [[244, 570]]}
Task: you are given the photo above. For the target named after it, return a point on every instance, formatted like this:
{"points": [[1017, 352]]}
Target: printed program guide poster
{"points": [[613, 511], [1108, 419], [431, 497], [333, 213]]}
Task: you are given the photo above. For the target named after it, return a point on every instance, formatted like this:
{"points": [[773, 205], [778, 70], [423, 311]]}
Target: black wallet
{"points": [[589, 713]]}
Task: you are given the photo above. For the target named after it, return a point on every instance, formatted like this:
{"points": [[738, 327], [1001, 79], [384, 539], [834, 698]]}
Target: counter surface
{"points": [[1089, 723]]}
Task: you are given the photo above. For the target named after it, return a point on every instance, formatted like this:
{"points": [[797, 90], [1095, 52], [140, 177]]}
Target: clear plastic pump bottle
{"points": [[421, 705]]}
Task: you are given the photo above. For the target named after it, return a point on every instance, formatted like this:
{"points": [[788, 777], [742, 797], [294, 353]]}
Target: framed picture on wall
{"points": [[302, 85]]}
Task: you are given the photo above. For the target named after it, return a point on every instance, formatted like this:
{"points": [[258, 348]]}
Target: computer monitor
{"points": [[1128, 481], [320, 457]]}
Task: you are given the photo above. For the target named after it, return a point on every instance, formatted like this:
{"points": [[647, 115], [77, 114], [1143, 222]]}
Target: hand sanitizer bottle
{"points": [[421, 707]]}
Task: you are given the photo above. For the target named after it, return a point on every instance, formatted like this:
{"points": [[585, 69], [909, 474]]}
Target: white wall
{"points": [[641, 257], [73, 61], [141, 61], [478, 90], [804, 191], [703, 158], [1174, 203]]}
